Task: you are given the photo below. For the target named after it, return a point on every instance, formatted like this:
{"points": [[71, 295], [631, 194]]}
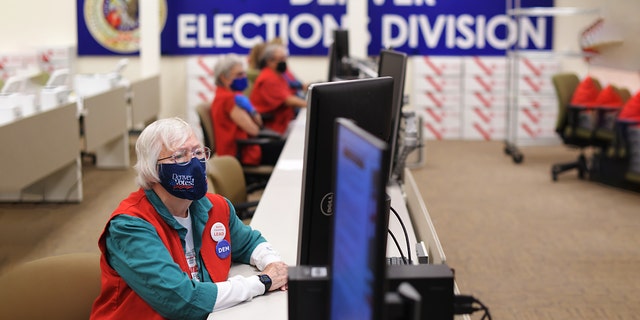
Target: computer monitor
{"points": [[394, 64], [359, 242], [333, 63], [339, 67], [368, 103]]}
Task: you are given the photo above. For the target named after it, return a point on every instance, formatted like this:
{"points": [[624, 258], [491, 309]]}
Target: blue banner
{"points": [[189, 27], [417, 27], [455, 27]]}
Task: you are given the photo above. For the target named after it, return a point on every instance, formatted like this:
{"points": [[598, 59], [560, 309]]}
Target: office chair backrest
{"points": [[624, 93], [252, 75], [227, 178], [564, 84], [204, 114], [57, 287]]}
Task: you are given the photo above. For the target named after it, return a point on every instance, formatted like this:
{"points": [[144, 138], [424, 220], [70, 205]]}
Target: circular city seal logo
{"points": [[114, 24]]}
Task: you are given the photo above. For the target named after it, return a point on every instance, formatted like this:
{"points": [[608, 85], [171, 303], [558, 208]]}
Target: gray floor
{"points": [[525, 246], [528, 247]]}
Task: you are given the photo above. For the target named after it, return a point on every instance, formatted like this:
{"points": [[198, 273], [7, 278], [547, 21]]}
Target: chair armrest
{"points": [[250, 141], [266, 116], [245, 205], [268, 133], [251, 188]]}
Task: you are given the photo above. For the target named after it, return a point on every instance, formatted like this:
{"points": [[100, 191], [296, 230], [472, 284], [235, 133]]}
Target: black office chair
{"points": [[258, 174], [631, 137], [568, 125], [605, 122]]}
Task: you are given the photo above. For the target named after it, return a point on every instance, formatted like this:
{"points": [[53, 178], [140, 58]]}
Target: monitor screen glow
{"points": [[359, 229]]}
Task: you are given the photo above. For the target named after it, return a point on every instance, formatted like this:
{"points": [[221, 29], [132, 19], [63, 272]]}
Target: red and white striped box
{"points": [[201, 65], [536, 124], [439, 124], [200, 84], [483, 124], [538, 67], [528, 131], [11, 63], [446, 83], [48, 54], [538, 118], [477, 82], [488, 100], [437, 65], [200, 89], [486, 66], [533, 85], [538, 102], [49, 59], [423, 99]]}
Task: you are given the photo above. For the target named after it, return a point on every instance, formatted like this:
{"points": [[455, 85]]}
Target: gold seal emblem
{"points": [[114, 24]]}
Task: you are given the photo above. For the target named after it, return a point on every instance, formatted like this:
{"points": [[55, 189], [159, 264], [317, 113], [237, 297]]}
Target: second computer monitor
{"points": [[368, 103], [394, 64], [339, 67], [359, 245]]}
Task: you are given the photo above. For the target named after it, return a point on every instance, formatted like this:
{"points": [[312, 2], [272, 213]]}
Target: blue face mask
{"points": [[185, 182], [239, 84]]}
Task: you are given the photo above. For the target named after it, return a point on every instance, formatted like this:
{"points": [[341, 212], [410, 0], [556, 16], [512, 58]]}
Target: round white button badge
{"points": [[218, 231]]}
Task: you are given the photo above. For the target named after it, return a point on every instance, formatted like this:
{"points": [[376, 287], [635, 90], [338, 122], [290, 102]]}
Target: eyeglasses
{"points": [[183, 157]]}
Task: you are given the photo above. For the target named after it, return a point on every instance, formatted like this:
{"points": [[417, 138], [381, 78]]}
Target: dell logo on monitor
{"points": [[326, 205]]}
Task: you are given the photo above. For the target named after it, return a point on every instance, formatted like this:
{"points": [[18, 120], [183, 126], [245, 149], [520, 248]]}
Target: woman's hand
{"points": [[278, 272]]}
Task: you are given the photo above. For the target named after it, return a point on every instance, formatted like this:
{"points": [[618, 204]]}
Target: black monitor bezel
{"points": [[399, 76], [358, 104], [378, 264]]}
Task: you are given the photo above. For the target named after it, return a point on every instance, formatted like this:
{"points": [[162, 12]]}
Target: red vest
{"points": [[268, 95], [117, 300], [227, 132]]}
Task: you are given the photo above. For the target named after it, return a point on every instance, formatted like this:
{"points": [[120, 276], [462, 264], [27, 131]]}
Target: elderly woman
{"points": [[234, 118], [271, 92], [167, 248]]}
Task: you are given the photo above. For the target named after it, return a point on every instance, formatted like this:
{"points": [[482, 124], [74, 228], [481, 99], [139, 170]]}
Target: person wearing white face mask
{"points": [[168, 247]]}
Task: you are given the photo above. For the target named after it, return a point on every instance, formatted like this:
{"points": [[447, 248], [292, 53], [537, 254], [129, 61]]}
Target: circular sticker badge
{"points": [[223, 249], [218, 231]]}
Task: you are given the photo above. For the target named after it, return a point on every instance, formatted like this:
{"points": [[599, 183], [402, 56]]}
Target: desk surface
{"points": [[53, 137], [277, 217]]}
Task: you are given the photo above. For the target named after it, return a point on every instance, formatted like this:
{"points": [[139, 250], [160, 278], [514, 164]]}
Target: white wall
{"points": [[32, 23], [618, 65], [36, 23]]}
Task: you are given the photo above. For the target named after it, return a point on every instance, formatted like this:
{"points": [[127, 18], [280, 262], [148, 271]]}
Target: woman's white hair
{"points": [[224, 65], [170, 133], [270, 52]]}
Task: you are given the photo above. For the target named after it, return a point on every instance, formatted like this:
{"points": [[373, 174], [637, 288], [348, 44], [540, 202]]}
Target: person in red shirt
{"points": [[271, 94], [230, 112]]}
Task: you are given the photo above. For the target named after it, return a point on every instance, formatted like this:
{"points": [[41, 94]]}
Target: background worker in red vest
{"points": [[233, 118], [271, 94], [167, 248]]}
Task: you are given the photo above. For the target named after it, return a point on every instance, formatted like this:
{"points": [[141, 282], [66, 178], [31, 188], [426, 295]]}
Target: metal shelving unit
{"points": [[515, 55]]}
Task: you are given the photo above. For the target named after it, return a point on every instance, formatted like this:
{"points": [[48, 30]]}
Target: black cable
{"points": [[398, 246], [464, 304], [406, 235]]}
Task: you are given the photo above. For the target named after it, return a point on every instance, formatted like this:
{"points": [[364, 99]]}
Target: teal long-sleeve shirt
{"points": [[137, 253]]}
